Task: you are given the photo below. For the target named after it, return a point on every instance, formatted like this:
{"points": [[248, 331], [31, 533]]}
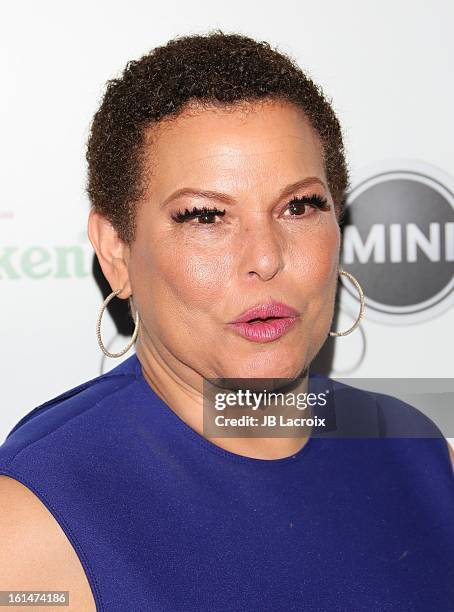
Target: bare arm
{"points": [[35, 553], [451, 453]]}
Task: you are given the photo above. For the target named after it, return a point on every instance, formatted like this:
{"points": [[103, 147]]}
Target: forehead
{"points": [[246, 143]]}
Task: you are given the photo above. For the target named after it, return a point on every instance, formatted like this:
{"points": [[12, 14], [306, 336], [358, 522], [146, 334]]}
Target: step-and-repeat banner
{"points": [[387, 67]]}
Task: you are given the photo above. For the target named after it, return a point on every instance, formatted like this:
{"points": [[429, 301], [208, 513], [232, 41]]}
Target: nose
{"points": [[262, 247]]}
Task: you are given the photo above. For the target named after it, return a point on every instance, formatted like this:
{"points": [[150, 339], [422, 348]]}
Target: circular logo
{"points": [[398, 242]]}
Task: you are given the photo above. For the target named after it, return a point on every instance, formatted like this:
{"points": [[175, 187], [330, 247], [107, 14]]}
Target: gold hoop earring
{"points": [[361, 307], [98, 328]]}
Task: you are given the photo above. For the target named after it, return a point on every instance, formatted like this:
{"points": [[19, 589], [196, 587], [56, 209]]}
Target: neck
{"points": [[181, 388]]}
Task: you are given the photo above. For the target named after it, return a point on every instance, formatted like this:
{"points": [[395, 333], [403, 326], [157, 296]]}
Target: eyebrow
{"points": [[223, 197]]}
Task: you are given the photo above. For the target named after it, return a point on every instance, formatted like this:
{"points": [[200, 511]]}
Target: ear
{"points": [[112, 252]]}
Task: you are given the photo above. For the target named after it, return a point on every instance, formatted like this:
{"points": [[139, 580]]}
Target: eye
{"points": [[204, 215], [298, 204]]}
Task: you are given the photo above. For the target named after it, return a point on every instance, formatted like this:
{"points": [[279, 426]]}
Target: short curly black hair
{"points": [[212, 68]]}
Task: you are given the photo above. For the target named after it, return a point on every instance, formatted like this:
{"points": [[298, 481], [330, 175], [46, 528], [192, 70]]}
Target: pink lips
{"points": [[265, 330]]}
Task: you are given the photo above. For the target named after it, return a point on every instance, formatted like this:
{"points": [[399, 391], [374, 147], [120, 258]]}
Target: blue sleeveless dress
{"points": [[164, 520]]}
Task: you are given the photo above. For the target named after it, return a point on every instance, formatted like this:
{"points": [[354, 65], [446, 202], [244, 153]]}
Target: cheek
{"points": [[204, 273], [179, 278], [314, 258], [317, 258]]}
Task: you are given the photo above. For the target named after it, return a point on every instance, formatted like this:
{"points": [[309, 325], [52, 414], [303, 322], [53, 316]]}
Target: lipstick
{"points": [[265, 322]]}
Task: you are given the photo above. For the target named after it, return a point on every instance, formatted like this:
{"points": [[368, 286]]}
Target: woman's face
{"points": [[191, 279]]}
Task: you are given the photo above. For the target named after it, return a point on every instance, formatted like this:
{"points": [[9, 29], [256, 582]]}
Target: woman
{"points": [[216, 177]]}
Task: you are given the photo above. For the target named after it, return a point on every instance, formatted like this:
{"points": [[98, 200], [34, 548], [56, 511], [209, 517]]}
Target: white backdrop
{"points": [[388, 67]]}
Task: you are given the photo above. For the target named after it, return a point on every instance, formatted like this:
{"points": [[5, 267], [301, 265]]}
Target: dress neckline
{"points": [[311, 445]]}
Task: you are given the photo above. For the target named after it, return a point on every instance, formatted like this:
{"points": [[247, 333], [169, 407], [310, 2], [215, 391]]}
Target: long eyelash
{"points": [[180, 217], [313, 200]]}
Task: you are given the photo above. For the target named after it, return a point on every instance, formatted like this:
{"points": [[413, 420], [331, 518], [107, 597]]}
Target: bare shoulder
{"points": [[451, 453], [35, 553]]}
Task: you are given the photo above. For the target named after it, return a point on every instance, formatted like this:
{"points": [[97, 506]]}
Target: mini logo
{"points": [[399, 242]]}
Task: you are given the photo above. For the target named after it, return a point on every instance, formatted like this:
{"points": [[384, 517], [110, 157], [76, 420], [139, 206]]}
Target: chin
{"points": [[264, 368]]}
